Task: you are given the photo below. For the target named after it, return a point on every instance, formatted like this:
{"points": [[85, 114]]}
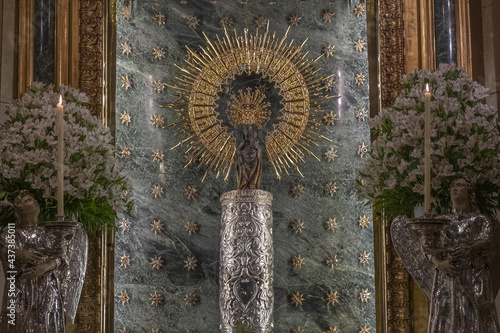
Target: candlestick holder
{"points": [[430, 229]]}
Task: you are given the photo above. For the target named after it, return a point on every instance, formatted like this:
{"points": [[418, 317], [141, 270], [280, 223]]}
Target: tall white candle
{"points": [[427, 167], [60, 157]]}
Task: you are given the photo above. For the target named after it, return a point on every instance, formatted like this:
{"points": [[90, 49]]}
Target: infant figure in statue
{"points": [[456, 277]]}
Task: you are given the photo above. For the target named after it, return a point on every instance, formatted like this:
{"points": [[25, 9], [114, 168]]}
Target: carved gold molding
{"points": [[96, 52], [91, 53], [391, 41], [393, 302]]}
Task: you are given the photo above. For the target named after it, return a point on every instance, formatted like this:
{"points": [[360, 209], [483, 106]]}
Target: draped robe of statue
{"points": [[42, 303], [249, 160], [464, 303], [39, 307]]}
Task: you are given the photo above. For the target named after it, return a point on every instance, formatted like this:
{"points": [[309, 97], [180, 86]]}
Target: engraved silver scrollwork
{"points": [[247, 260]]}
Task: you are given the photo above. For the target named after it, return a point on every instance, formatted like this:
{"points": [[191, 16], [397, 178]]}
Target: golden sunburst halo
{"points": [[208, 70]]}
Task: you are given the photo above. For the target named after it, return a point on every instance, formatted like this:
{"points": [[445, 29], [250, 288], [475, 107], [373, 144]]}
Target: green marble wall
{"points": [[173, 209]]}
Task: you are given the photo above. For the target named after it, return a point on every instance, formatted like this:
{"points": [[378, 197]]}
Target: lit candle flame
{"points": [[427, 87], [60, 99]]}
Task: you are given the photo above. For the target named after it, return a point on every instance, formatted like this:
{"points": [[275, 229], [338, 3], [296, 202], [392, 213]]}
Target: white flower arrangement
{"points": [[465, 138], [93, 185]]}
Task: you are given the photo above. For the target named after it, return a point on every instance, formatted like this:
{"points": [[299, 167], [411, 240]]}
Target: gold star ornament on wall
{"points": [[191, 227], [331, 261], [156, 298], [297, 191], [191, 299], [360, 45], [362, 150], [125, 153], [364, 295], [331, 224], [125, 118], [124, 297], [297, 226], [193, 21], [191, 263], [360, 79], [157, 227], [297, 298], [261, 22], [157, 156], [331, 154], [294, 20], [126, 48], [124, 260], [330, 119], [364, 258], [191, 192], [359, 10], [157, 121], [126, 82], [227, 22], [125, 224], [364, 329], [158, 53], [159, 18], [156, 262], [361, 114], [328, 50], [332, 298], [157, 191], [158, 86], [297, 261], [331, 188], [330, 83], [363, 221], [327, 16], [127, 13]]}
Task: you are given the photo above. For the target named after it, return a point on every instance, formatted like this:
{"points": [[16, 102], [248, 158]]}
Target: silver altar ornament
{"points": [[47, 271], [246, 261], [451, 257]]}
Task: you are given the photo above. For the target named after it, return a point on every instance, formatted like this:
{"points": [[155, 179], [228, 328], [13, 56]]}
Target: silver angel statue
{"points": [[452, 263], [47, 269]]}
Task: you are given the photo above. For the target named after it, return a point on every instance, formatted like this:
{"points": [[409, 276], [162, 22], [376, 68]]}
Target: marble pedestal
{"points": [[246, 261]]}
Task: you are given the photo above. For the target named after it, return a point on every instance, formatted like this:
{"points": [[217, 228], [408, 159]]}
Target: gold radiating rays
{"points": [[207, 71]]}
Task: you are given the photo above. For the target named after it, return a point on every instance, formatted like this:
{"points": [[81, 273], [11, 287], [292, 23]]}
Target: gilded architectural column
{"points": [[25, 55]]}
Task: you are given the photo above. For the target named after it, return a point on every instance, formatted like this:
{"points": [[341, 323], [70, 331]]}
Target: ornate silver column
{"points": [[246, 261]]}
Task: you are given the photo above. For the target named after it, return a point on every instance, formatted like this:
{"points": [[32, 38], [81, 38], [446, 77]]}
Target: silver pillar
{"points": [[246, 261]]}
